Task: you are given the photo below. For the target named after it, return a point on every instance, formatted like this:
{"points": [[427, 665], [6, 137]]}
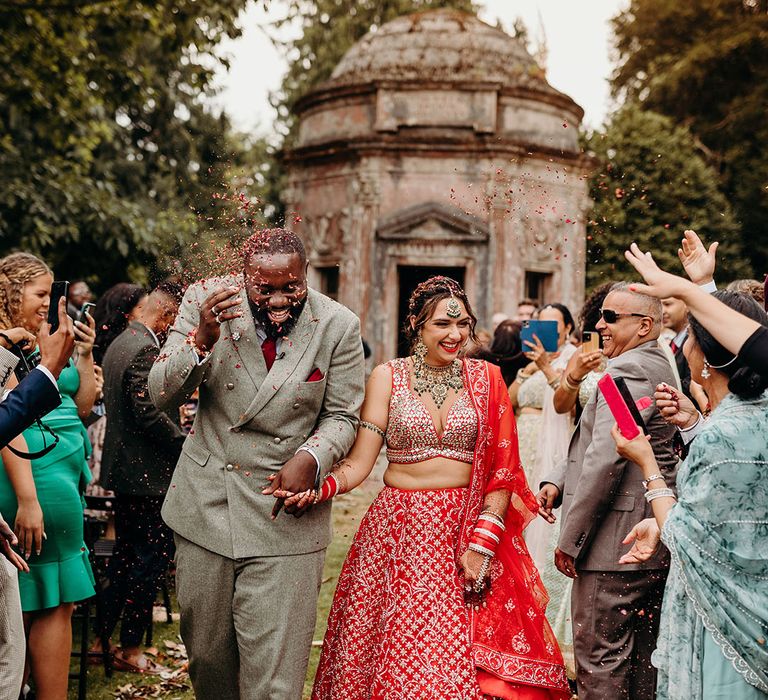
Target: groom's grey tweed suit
{"points": [[248, 585]]}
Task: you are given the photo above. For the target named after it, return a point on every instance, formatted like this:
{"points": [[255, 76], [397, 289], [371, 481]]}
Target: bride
{"points": [[438, 598]]}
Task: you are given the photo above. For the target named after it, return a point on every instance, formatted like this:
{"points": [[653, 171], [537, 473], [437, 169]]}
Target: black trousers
{"points": [[143, 553]]}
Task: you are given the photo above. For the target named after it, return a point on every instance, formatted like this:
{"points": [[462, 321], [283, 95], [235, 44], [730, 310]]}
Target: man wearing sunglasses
{"points": [[615, 607]]}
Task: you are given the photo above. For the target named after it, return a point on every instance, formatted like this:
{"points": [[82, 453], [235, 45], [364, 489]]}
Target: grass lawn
{"points": [[347, 512]]}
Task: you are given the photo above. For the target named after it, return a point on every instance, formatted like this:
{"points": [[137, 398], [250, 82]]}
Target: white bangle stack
{"points": [[653, 494]]}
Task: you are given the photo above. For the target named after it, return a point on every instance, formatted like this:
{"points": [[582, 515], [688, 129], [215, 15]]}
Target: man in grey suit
{"points": [[280, 372], [615, 606], [141, 448]]}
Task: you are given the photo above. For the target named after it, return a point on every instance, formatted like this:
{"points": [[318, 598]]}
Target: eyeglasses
{"points": [[611, 316]]}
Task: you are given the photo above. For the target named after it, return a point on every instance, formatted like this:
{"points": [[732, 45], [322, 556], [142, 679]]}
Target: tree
{"points": [[651, 184], [108, 156], [704, 64]]}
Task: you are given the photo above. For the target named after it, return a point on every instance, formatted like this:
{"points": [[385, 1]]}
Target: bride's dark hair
{"points": [[425, 298]]}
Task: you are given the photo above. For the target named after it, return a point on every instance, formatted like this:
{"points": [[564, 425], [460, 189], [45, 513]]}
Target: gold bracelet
{"points": [[569, 384]]}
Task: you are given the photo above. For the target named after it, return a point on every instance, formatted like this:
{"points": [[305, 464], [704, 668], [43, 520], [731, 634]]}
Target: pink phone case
{"points": [[618, 407]]}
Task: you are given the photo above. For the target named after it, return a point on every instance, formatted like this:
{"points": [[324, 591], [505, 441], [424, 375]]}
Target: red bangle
{"points": [[329, 489]]}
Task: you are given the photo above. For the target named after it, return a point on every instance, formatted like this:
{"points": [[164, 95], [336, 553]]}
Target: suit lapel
{"points": [[292, 349]]}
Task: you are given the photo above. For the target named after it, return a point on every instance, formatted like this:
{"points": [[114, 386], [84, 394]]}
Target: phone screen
{"points": [[590, 342], [58, 289], [87, 307]]}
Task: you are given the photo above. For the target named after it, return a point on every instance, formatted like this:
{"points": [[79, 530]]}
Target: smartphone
{"points": [[590, 342], [85, 310], [545, 331], [624, 411], [58, 289]]}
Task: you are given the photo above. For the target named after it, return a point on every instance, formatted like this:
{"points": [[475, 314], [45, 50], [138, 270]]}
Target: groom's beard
{"points": [[274, 330]]}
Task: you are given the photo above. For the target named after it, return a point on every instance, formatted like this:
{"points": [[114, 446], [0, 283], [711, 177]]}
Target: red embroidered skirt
{"points": [[398, 628]]}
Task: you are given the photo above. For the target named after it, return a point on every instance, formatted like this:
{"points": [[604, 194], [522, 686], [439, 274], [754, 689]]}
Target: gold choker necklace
{"points": [[435, 380]]}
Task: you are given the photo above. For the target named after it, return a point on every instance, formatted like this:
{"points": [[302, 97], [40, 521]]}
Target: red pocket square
{"points": [[316, 375]]}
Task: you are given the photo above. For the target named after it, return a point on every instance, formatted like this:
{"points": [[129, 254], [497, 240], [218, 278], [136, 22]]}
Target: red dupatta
{"points": [[512, 642]]}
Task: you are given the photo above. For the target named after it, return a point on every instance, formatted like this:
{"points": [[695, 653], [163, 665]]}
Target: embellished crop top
{"points": [[411, 434]]}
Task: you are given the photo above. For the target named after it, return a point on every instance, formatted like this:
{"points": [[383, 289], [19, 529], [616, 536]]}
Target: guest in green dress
{"points": [[714, 622], [43, 498]]}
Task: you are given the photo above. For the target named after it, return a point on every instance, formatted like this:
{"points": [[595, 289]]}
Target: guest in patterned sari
{"points": [[438, 598], [714, 620]]}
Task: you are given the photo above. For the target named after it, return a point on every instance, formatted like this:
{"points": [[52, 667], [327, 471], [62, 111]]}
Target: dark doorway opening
{"points": [[408, 277]]}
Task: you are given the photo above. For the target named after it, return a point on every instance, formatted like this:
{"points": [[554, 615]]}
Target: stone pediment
{"points": [[433, 221]]}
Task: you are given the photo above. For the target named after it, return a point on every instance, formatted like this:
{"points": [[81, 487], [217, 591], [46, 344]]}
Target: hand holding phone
{"points": [[85, 312]]}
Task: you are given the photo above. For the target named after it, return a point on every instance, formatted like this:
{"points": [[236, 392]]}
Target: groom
{"points": [[280, 372]]}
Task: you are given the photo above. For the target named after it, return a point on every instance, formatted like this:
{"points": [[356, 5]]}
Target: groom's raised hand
{"points": [[296, 476], [222, 305]]}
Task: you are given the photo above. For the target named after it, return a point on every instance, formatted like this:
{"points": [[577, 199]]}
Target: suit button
{"points": [[277, 441], [297, 405], [230, 386], [229, 467]]}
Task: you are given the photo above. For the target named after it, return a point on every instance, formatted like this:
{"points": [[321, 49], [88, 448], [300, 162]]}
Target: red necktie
{"points": [[269, 350], [673, 347]]}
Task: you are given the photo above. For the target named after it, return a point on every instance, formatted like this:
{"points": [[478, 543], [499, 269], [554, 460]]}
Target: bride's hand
{"points": [[470, 564]]}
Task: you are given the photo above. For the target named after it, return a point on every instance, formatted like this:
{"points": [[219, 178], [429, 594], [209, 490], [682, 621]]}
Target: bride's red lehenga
{"points": [[398, 627]]}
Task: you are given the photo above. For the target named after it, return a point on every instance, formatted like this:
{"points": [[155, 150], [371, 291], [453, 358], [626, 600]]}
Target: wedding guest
{"points": [[114, 310], [505, 351], [543, 435], [44, 495], [714, 619], [141, 447], [615, 609], [736, 332]]}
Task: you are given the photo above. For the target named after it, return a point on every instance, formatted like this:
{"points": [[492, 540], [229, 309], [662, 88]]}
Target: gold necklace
{"points": [[435, 380]]}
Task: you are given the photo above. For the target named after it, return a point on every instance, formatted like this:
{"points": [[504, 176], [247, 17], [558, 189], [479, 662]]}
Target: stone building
{"points": [[437, 146]]}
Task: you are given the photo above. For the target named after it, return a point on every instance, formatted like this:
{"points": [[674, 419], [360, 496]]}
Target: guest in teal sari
{"points": [[714, 622]]}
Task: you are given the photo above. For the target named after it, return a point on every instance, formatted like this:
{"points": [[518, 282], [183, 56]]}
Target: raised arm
{"points": [[182, 364], [727, 326]]}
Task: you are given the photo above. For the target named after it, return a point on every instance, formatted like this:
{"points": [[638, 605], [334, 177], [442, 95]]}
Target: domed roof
{"points": [[446, 46]]}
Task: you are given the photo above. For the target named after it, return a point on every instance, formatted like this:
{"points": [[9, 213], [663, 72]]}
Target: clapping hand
{"points": [[645, 538], [698, 262], [659, 284]]}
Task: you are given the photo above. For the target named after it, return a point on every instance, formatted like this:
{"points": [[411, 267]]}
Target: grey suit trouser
{"points": [[248, 623], [615, 624], [12, 638]]}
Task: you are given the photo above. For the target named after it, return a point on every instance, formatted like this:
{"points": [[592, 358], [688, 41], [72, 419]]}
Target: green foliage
{"points": [[704, 64], [108, 156], [650, 185]]}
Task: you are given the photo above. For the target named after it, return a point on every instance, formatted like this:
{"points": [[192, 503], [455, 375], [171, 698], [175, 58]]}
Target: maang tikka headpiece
{"points": [[453, 308]]}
